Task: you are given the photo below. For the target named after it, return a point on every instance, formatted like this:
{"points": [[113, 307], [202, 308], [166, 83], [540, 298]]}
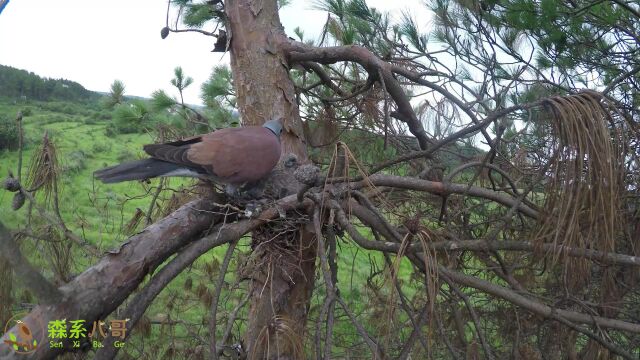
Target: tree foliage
{"points": [[20, 84], [8, 133], [116, 95]]}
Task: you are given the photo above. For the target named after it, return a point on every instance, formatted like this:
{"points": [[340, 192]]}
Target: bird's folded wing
{"points": [[232, 154], [175, 153], [202, 153], [238, 154], [222, 153]]}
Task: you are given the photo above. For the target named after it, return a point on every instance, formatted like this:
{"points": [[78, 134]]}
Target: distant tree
{"points": [[115, 96], [191, 118], [8, 133], [181, 82]]}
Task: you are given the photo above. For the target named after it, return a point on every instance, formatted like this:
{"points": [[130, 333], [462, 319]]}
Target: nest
{"points": [[277, 243], [281, 234]]}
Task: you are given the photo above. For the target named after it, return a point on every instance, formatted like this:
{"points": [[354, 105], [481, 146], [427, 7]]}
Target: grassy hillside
{"points": [[82, 148]]}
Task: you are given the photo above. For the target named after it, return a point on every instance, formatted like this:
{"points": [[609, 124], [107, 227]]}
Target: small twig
{"points": [[474, 316], [445, 338], [375, 348], [415, 334], [620, 79], [612, 347], [331, 291], [324, 310], [216, 297], [371, 207], [57, 221], [168, 8], [232, 319], [153, 202], [20, 144], [333, 266], [386, 108]]}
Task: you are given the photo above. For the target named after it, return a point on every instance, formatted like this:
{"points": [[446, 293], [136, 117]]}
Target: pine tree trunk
{"points": [[281, 281]]}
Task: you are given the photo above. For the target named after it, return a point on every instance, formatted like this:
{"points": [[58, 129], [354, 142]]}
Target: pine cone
{"points": [[11, 184], [18, 201], [164, 32]]}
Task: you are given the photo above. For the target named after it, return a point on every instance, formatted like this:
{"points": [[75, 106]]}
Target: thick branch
{"points": [[219, 236], [536, 307], [102, 288], [377, 68], [467, 131], [370, 219], [440, 188], [96, 292], [41, 288], [495, 290]]}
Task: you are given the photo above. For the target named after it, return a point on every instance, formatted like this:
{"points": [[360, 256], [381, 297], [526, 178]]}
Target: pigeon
{"points": [[236, 157]]}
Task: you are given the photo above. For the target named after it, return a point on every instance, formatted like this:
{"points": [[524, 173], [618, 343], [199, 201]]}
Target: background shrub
{"points": [[75, 161], [8, 133]]}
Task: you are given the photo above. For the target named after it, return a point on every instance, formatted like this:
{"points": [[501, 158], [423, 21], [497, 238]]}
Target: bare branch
{"points": [[440, 188], [376, 349], [186, 257], [483, 285], [216, 297], [536, 307], [376, 67], [101, 288], [474, 316]]}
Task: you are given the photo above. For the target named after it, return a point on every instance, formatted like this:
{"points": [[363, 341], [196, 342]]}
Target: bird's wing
{"points": [[176, 152], [211, 153], [231, 154], [221, 152], [237, 154]]}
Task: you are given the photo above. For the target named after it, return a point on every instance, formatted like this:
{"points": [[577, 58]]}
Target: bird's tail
{"points": [[136, 170]]}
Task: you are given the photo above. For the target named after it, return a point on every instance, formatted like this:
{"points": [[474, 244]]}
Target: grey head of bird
{"points": [[275, 126]]}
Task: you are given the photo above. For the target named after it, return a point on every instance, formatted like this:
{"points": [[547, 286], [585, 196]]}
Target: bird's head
{"points": [[275, 126]]}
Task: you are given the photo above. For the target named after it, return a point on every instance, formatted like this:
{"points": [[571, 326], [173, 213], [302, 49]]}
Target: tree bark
{"points": [[281, 280], [100, 289]]}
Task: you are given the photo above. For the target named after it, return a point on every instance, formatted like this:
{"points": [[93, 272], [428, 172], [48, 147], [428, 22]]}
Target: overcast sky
{"points": [[94, 42]]}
